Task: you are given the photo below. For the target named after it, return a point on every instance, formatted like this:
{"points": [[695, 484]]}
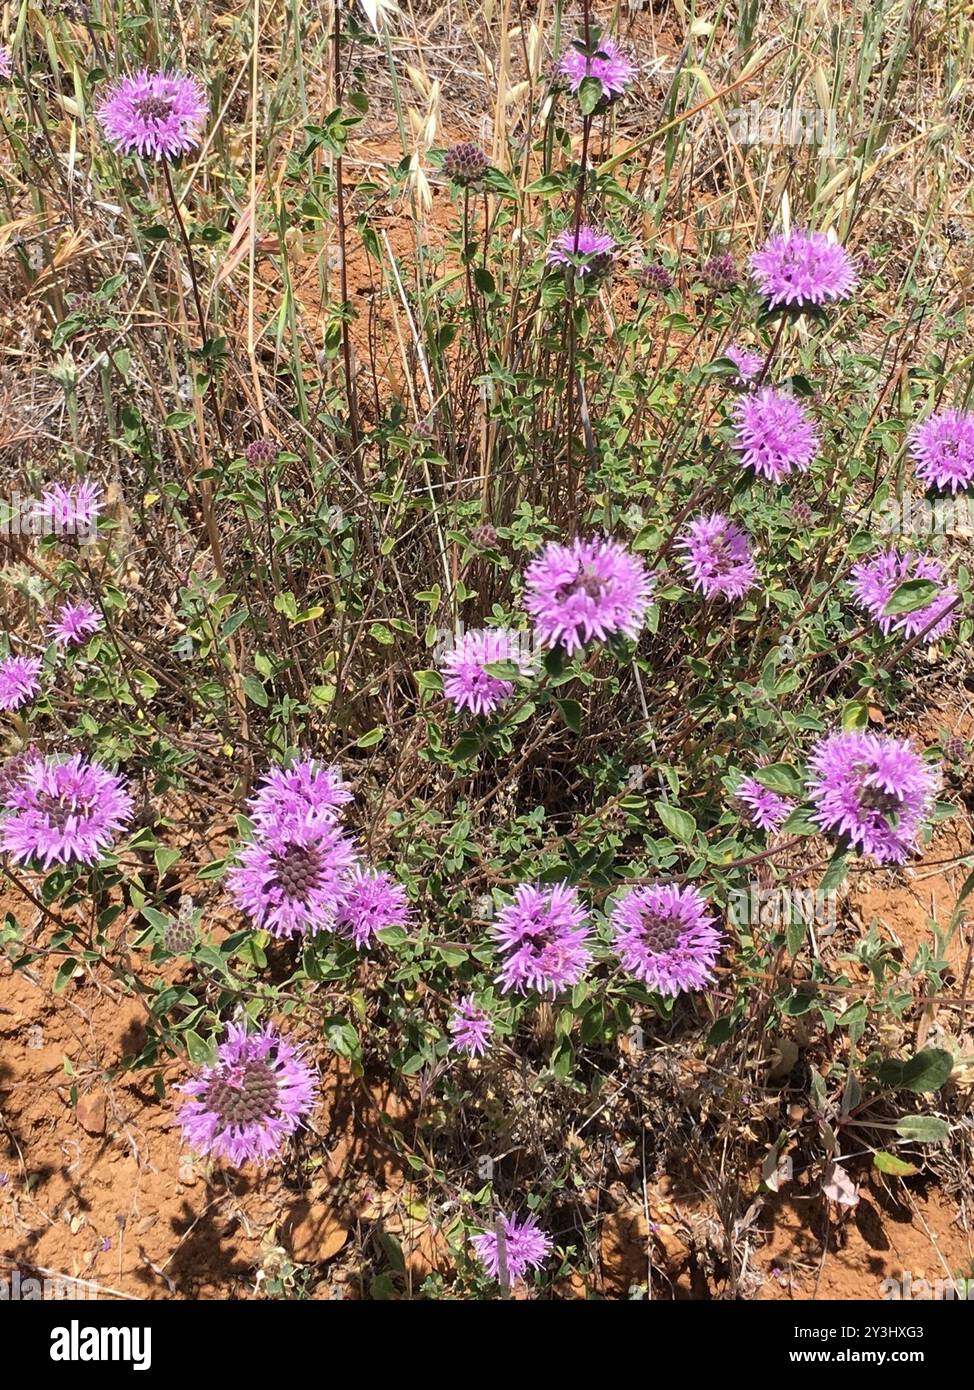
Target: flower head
{"points": [[261, 451], [609, 65], [63, 810], [942, 447], [371, 901], [591, 252], [720, 272], [801, 268], [666, 938], [465, 164], [717, 557], [306, 793], [543, 938], [748, 363], [876, 580], [466, 683], [18, 680], [472, 1027], [774, 435], [291, 881], [654, 277], [69, 511], [763, 807], [6, 66], [526, 1247], [250, 1100], [874, 790], [155, 114], [75, 624], [590, 588]]}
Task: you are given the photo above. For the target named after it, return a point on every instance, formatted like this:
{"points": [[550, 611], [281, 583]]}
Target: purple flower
{"points": [[306, 793], [159, 114], [720, 272], [666, 938], [18, 680], [466, 684], [472, 1027], [654, 277], [292, 880], [773, 433], [69, 511], [253, 1098], [261, 451], [75, 624], [526, 1247], [543, 938], [590, 588], [6, 67], [748, 363], [609, 65], [717, 557], [591, 251], [874, 790], [371, 901], [800, 268], [942, 447], [60, 810], [875, 581], [763, 807]]}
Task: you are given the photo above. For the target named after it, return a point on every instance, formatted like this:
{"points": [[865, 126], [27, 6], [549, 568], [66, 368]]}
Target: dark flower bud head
{"points": [[465, 164]]}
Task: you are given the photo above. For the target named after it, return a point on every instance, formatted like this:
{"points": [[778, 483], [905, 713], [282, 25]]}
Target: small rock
{"points": [[91, 1112]]}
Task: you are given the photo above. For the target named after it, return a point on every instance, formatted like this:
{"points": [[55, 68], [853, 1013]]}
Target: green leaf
{"points": [[889, 1163], [678, 823], [255, 692], [925, 1072], [179, 419], [373, 737], [923, 1129], [589, 94], [836, 871], [908, 597], [781, 778], [571, 712]]}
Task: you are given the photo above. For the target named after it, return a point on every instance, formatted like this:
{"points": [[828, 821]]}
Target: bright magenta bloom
{"points": [[543, 938], [291, 881], [371, 901], [942, 447], [876, 580], [591, 253], [71, 511], [76, 622], [465, 682], [775, 437], [748, 363], [803, 268], [472, 1027], [666, 937], [155, 114], [61, 811], [18, 680], [873, 790], [590, 588], [251, 1100], [717, 558], [306, 793], [526, 1247], [764, 808], [609, 65]]}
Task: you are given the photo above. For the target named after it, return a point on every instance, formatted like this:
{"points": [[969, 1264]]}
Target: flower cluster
{"points": [[801, 269], [467, 684], [942, 447], [873, 791], [158, 115], [666, 937], [63, 811], [76, 622], [717, 557], [585, 249], [472, 1027], [876, 580], [608, 65], [590, 588], [763, 808], [18, 680], [254, 1097], [543, 940], [301, 873], [525, 1246], [774, 435]]}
